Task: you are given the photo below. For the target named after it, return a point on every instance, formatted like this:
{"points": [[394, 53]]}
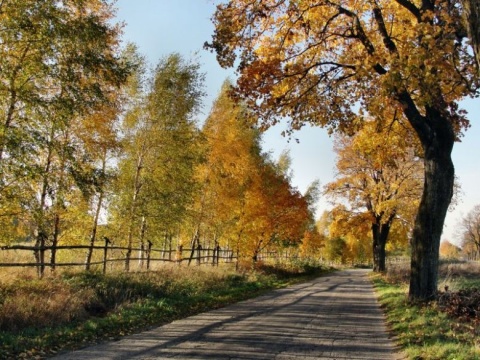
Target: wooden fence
{"points": [[116, 254]]}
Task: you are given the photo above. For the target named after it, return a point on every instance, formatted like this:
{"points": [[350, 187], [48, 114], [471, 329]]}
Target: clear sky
{"points": [[160, 27]]}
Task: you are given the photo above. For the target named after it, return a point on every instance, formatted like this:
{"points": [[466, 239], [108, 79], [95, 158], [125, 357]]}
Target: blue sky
{"points": [[160, 27]]}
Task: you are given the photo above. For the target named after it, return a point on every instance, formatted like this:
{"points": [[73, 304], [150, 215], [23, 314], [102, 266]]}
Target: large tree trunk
{"points": [[437, 194], [437, 137]]}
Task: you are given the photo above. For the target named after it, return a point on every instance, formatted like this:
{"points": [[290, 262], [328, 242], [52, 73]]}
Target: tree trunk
{"points": [[41, 242], [380, 235], [472, 23], [437, 194], [435, 130], [141, 252], [195, 243], [93, 232], [56, 233]]}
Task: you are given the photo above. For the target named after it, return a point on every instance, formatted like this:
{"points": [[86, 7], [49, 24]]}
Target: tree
{"points": [[156, 180], [472, 24], [231, 158], [317, 61], [381, 176], [59, 61], [449, 251], [355, 229], [470, 229], [312, 244], [274, 214]]}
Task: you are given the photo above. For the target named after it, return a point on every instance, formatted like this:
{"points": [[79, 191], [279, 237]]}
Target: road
{"points": [[332, 317]]}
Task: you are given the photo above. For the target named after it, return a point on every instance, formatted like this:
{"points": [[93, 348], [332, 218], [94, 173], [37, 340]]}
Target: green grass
{"points": [[36, 320], [425, 332]]}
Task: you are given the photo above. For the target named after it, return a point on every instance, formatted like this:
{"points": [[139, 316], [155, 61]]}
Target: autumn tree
{"points": [[470, 231], [312, 244], [355, 230], [449, 251], [381, 176], [232, 152], [318, 61], [276, 214], [59, 61], [156, 173]]}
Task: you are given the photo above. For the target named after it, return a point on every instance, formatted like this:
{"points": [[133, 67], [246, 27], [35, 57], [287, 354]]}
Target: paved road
{"points": [[332, 317]]}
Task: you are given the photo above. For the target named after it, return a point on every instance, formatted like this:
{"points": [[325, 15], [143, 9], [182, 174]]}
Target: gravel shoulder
{"points": [[332, 317]]}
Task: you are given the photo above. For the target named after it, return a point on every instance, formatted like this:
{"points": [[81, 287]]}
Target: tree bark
{"points": [[93, 232], [437, 194], [55, 235], [380, 235], [472, 23], [435, 130]]}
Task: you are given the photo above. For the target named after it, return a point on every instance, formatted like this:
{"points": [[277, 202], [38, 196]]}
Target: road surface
{"points": [[332, 317]]}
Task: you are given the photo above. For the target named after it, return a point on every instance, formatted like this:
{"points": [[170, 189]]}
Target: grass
{"points": [[427, 332], [39, 318]]}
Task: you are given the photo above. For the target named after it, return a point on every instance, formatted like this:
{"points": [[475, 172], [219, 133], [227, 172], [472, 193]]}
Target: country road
{"points": [[332, 317]]}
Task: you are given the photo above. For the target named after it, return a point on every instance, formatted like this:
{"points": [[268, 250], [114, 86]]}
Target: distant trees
{"points": [[449, 251], [469, 230], [246, 201], [380, 175]]}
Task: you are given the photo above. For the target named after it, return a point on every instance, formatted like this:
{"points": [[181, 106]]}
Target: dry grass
{"points": [[43, 303], [70, 309], [451, 274], [66, 295]]}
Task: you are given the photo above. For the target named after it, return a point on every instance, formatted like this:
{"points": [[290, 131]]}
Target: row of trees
{"points": [[211, 186], [94, 144], [61, 72], [335, 63]]}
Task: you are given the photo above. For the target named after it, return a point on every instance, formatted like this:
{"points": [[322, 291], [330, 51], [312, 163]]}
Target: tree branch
{"points": [[387, 40], [411, 7]]}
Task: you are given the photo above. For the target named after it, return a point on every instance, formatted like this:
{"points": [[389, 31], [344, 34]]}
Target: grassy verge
{"points": [[429, 331], [38, 318]]}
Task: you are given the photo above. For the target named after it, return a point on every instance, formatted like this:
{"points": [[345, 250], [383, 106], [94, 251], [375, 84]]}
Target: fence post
{"points": [[214, 255], [105, 249], [218, 253], [199, 254], [179, 254], [149, 250]]}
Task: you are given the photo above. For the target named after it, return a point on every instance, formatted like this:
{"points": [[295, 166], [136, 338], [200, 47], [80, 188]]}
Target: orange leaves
{"points": [[379, 176], [247, 201], [313, 60]]}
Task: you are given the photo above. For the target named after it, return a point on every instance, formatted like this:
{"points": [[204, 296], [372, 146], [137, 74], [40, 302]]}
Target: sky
{"points": [[162, 27]]}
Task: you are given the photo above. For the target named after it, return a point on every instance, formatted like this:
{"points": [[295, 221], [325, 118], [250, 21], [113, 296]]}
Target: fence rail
{"points": [[110, 255]]}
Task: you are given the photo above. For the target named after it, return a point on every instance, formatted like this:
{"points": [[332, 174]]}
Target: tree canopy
{"points": [[321, 61], [380, 174]]}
